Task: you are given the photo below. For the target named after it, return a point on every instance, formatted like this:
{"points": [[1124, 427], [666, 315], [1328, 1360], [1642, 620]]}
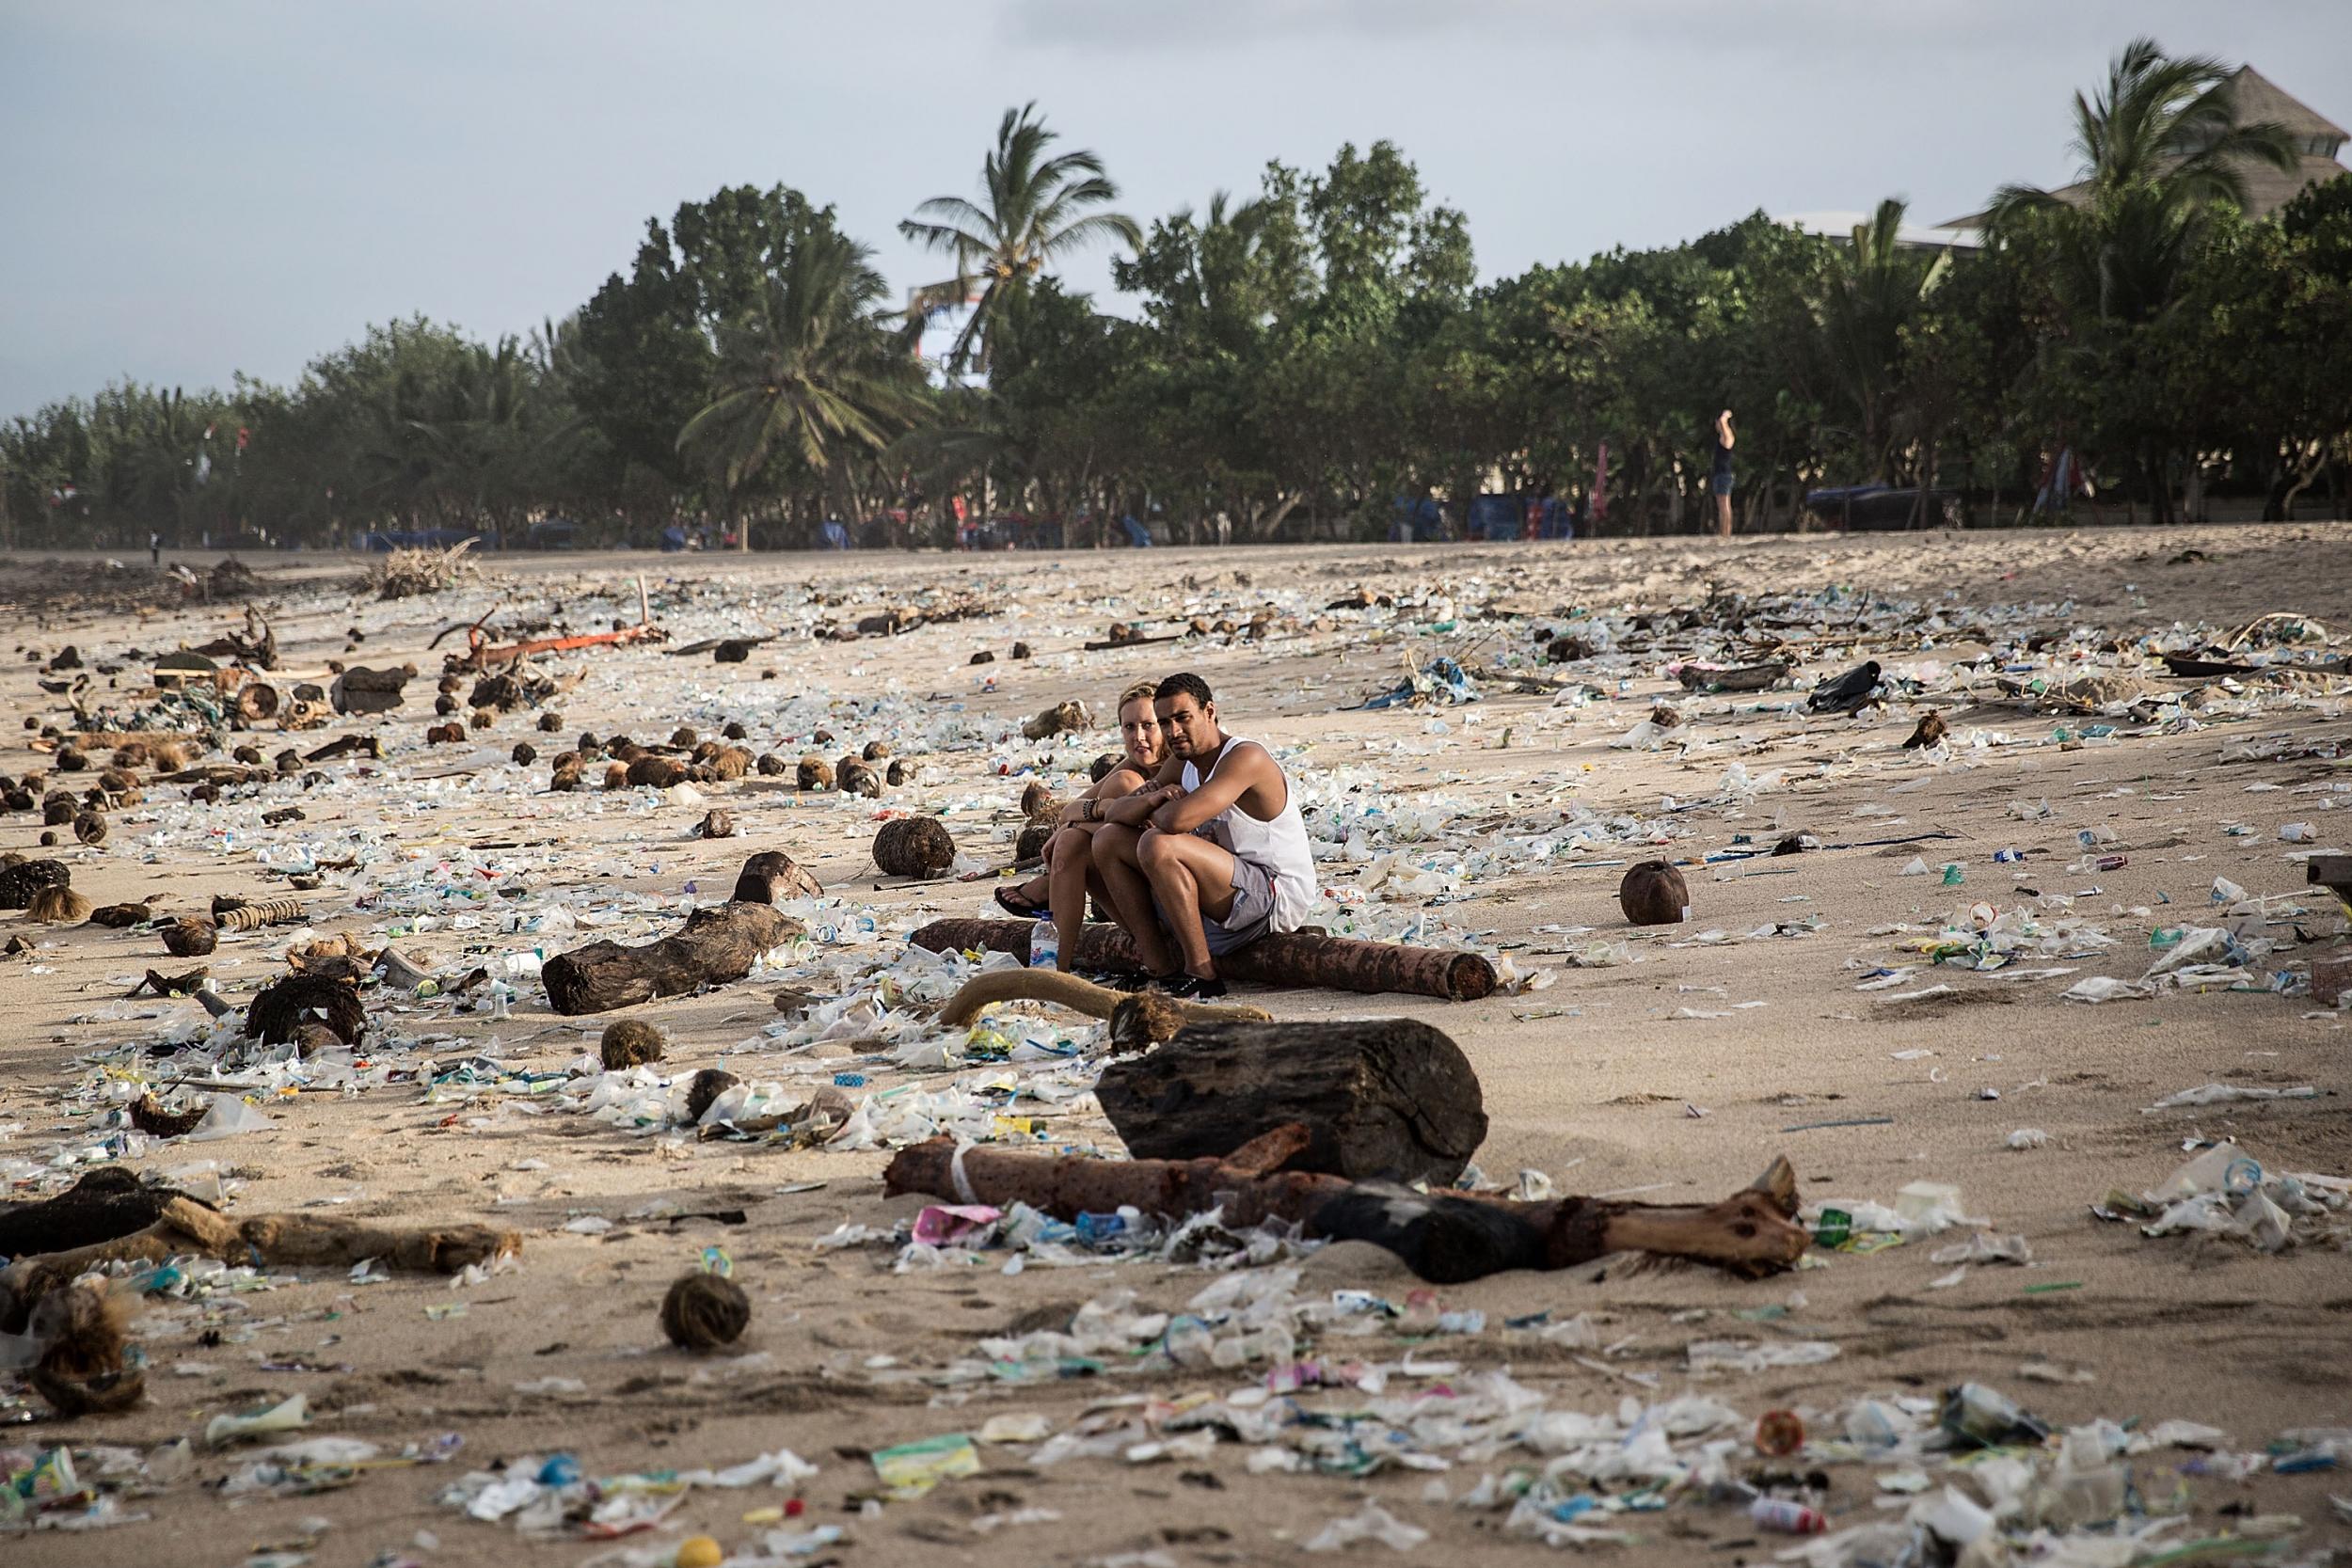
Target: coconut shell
{"points": [[914, 847], [1020, 650], [1031, 844], [1654, 894], [816, 773], [90, 828], [525, 753], [853, 777], [683, 738], [1034, 800], [703, 1312], [728, 763], [631, 1042], [983, 656], [550, 721], [717, 824], [876, 749], [771, 766], [897, 773], [445, 735]]}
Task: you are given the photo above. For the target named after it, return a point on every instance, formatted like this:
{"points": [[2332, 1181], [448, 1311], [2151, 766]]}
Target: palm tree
{"points": [[1032, 211], [811, 373], [1874, 288], [2159, 147]]}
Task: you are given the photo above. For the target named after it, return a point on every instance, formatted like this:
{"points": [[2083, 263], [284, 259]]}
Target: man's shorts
{"points": [[1252, 916], [1721, 483]]}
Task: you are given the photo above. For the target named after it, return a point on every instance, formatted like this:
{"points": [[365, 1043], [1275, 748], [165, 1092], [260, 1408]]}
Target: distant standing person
{"points": [[1719, 479], [155, 546]]}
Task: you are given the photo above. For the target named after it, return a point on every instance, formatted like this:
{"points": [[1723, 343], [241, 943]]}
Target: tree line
{"points": [[1312, 359]]}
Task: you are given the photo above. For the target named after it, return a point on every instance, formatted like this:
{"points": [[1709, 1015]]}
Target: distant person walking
{"points": [[1719, 478]]}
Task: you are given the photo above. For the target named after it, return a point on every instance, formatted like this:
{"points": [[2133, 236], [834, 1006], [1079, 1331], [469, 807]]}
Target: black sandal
{"points": [[1009, 900]]}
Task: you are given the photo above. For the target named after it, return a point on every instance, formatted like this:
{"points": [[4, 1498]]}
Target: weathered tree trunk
{"points": [[1446, 1239], [185, 1226], [1388, 1099], [1297, 958], [715, 945]]}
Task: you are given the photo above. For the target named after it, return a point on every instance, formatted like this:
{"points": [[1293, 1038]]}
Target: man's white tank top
{"points": [[1280, 845]]}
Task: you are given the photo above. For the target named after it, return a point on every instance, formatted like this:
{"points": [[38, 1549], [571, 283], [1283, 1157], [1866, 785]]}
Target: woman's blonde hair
{"points": [[1143, 689]]}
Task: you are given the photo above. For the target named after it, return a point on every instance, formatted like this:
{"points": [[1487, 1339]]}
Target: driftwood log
{"points": [[1297, 958], [1386, 1098], [1444, 1237], [182, 1227], [715, 945], [1136, 1020], [110, 1201]]}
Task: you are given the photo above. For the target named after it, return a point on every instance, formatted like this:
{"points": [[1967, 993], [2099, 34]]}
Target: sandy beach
{"points": [[1879, 1025]]}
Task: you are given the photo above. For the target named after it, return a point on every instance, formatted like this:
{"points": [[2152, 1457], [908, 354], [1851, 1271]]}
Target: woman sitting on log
{"points": [[1060, 890]]}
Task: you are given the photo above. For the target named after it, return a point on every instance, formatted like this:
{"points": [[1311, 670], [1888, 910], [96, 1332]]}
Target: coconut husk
{"points": [[704, 1311], [660, 772], [707, 1085], [915, 846], [83, 1370], [190, 938], [280, 1009], [1061, 717], [59, 906], [629, 1042]]}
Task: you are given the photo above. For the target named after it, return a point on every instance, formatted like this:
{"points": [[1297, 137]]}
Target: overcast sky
{"points": [[195, 189]]}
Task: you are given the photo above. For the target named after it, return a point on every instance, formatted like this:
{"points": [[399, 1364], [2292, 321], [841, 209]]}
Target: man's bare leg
{"points": [[1115, 851], [1722, 516], [1190, 876]]}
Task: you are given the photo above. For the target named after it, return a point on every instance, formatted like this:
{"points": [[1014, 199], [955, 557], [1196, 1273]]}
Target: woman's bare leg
{"points": [[1069, 857]]}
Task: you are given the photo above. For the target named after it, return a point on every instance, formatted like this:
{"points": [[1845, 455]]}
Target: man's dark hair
{"points": [[1187, 684]]}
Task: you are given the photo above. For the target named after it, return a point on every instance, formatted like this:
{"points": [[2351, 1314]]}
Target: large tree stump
{"points": [[1389, 1099], [715, 945], [1293, 959]]}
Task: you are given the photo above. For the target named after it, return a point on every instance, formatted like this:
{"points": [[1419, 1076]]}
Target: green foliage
{"points": [[1292, 361], [1033, 211]]}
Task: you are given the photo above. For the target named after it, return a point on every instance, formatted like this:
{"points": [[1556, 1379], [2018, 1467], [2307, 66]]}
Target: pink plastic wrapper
{"points": [[945, 1224]]}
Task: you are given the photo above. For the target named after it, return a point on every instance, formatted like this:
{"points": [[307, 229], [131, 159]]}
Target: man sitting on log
{"points": [[1212, 856]]}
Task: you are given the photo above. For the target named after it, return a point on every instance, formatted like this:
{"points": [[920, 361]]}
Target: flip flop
{"points": [[1009, 900], [1191, 987]]}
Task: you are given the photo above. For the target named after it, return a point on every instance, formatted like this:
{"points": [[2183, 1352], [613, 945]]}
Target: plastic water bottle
{"points": [[1044, 945]]}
